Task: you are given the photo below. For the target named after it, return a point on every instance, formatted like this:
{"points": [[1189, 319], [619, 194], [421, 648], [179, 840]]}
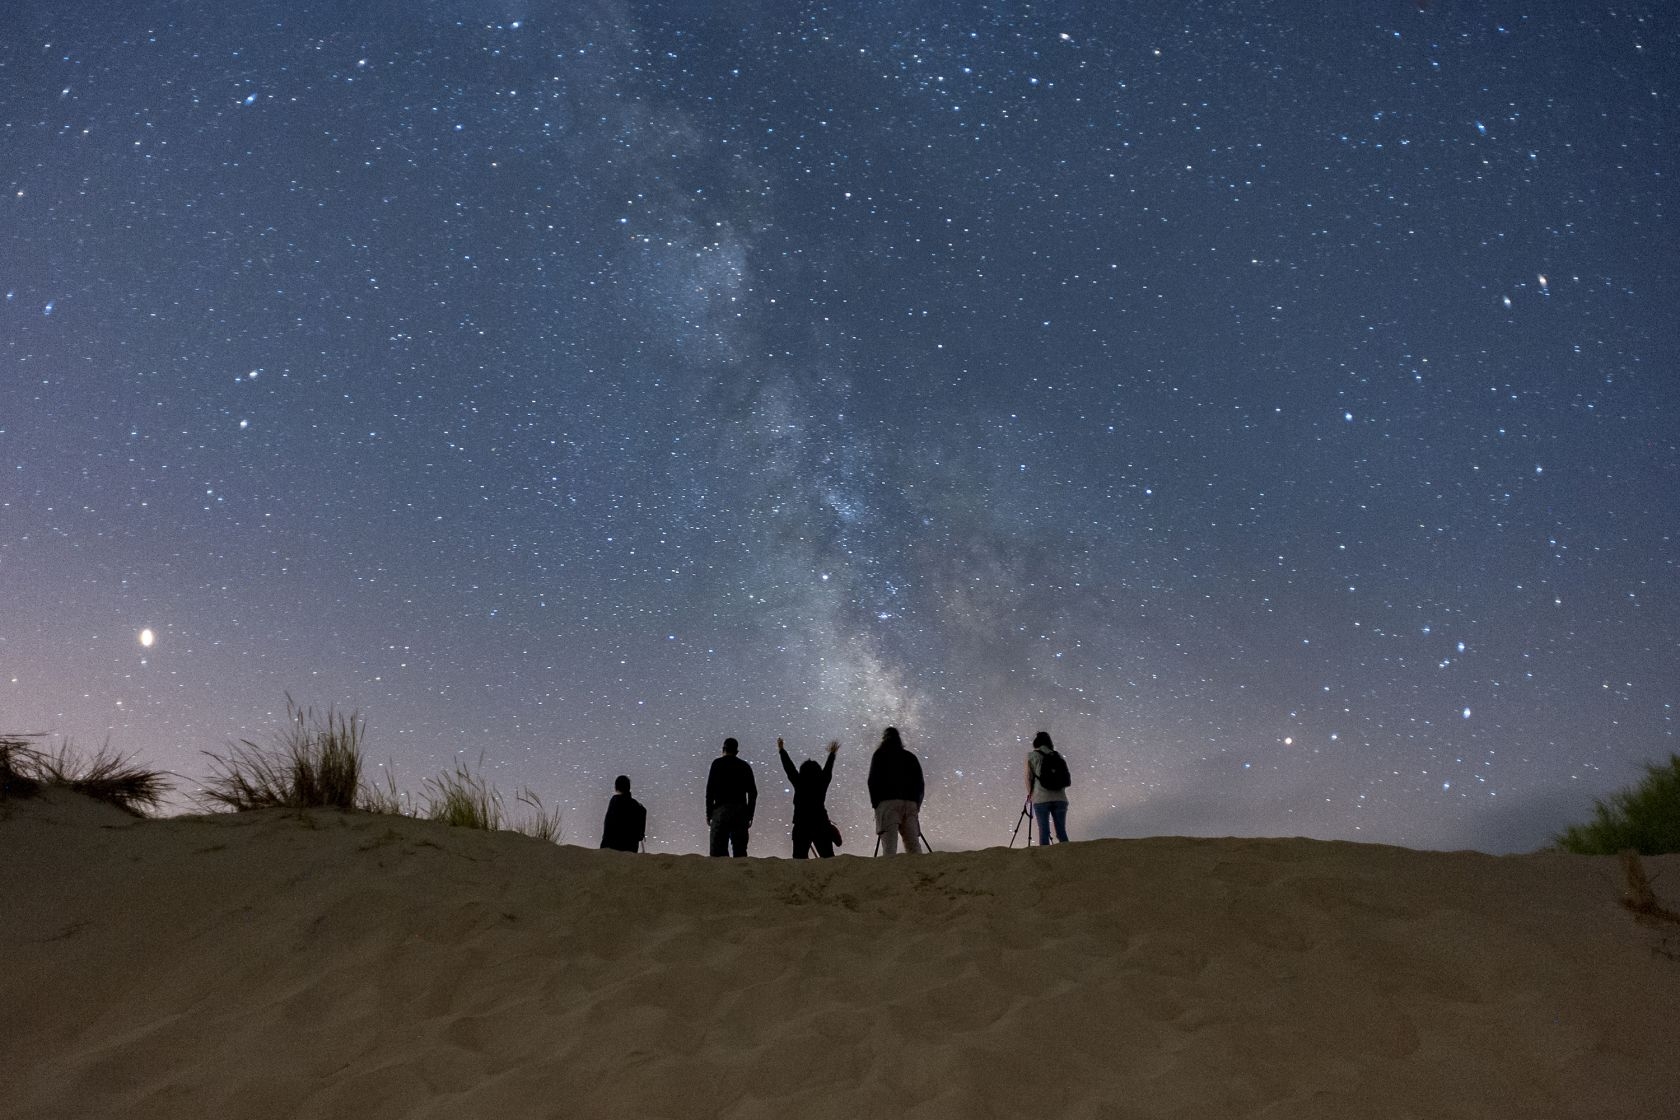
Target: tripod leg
{"points": [[1018, 821]]}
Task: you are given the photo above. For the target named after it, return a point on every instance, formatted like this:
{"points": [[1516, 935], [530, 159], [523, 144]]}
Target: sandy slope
{"points": [[329, 965]]}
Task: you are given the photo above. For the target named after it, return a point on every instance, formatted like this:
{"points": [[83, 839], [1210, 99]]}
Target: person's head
{"points": [[622, 783], [730, 746], [809, 770], [890, 739], [1042, 739]]}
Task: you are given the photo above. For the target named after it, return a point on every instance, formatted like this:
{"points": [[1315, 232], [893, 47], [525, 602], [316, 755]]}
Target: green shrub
{"points": [[313, 763], [1645, 818]]}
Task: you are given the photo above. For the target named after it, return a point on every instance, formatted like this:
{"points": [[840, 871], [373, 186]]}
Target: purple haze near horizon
{"points": [[1278, 409]]}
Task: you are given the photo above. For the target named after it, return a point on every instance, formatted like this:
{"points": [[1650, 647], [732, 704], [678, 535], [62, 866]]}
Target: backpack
{"points": [[1053, 772]]}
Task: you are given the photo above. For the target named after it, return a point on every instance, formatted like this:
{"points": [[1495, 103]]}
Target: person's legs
{"points": [[823, 842], [1041, 814], [1058, 814], [910, 827], [886, 826], [801, 843], [738, 838], [720, 833]]}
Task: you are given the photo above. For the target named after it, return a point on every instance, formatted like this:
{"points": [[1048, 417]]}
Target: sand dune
{"points": [[345, 965]]}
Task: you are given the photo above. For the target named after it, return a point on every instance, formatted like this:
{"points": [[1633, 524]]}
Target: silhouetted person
{"points": [[811, 827], [626, 823], [895, 792], [731, 797], [1047, 787]]}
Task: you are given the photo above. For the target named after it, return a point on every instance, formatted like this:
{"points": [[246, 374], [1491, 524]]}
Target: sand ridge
{"points": [[324, 964]]}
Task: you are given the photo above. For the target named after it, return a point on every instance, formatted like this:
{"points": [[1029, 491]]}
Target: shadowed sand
{"points": [[319, 964]]}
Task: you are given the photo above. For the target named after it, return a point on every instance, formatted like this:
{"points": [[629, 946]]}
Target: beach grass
{"points": [[541, 822], [104, 775], [313, 762], [464, 798], [385, 797]]}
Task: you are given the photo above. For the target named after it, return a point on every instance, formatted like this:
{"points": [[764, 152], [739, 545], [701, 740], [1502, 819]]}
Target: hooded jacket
{"points": [[894, 775]]}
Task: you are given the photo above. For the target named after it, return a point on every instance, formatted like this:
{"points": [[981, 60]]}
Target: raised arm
{"points": [[787, 765]]}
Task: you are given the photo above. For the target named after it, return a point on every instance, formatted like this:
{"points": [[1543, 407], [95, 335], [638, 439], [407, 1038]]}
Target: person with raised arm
{"points": [[811, 826]]}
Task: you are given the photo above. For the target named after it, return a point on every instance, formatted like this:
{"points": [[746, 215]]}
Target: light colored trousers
{"points": [[898, 818]]}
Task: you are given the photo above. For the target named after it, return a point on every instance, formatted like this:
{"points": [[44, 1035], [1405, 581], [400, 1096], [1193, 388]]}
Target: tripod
{"points": [[920, 835], [1025, 807]]}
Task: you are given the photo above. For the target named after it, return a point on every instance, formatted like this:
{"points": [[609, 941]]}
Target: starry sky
{"points": [[1276, 403]]}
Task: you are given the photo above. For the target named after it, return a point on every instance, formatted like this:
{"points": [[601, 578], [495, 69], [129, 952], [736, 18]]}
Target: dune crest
{"points": [[325, 964]]}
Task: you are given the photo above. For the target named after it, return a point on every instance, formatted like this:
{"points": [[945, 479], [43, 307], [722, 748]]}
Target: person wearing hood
{"points": [[811, 827], [895, 793], [626, 823], [1047, 782]]}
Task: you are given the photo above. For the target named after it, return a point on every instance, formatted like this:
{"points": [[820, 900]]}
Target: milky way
{"points": [[1279, 408]]}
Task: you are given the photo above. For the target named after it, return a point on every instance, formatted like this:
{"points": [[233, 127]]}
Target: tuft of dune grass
{"points": [[104, 775], [316, 762], [541, 823], [385, 798], [313, 762], [464, 798]]}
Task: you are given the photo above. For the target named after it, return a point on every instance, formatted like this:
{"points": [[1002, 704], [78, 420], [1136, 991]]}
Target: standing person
{"points": [[626, 823], [895, 792], [811, 827], [731, 797], [1047, 782]]}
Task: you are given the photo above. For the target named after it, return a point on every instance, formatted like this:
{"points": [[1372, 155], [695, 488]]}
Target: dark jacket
{"points": [[894, 775], [810, 789], [730, 784], [626, 824]]}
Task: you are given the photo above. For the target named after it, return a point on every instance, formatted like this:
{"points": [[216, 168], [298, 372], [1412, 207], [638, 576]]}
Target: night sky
{"points": [[1276, 402]]}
